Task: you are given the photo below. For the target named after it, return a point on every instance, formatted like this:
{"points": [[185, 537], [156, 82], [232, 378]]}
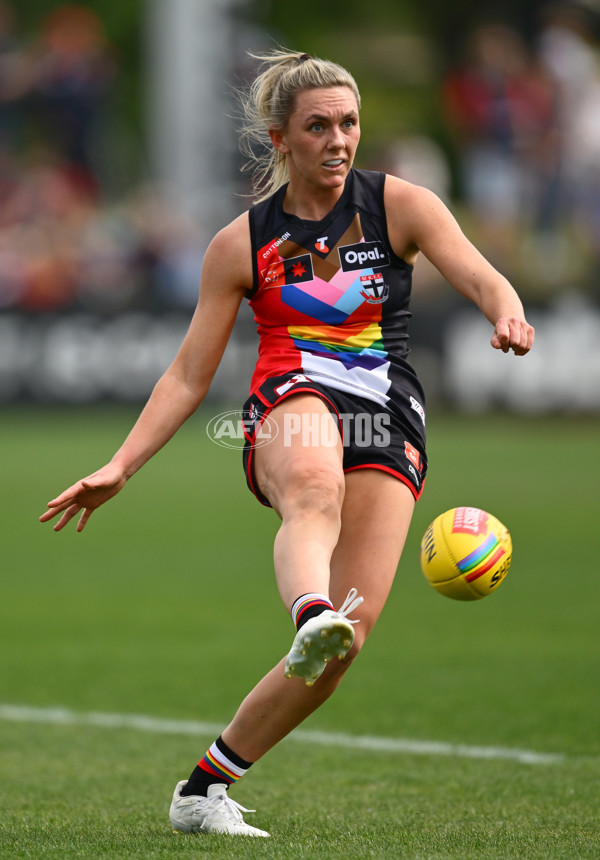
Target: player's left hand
{"points": [[513, 333]]}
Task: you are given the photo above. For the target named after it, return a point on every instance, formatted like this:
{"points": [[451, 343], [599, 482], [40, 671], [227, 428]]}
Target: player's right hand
{"points": [[86, 495]]}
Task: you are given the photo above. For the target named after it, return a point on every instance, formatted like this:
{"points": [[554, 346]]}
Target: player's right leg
{"points": [[301, 475]]}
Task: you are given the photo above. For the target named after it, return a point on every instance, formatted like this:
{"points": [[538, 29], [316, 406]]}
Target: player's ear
{"points": [[278, 141]]}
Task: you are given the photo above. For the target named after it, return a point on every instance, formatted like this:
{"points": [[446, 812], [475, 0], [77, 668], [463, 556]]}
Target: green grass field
{"points": [[144, 613]]}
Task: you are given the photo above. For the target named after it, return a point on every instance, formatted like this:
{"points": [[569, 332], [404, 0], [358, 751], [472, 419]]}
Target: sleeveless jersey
{"points": [[330, 298]]}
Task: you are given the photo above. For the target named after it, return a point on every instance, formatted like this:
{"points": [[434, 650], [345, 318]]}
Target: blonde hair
{"points": [[269, 103]]}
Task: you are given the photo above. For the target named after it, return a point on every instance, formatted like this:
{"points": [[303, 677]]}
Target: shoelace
{"points": [[231, 808], [351, 602]]}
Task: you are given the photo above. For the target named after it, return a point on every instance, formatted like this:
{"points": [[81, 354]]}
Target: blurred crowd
{"points": [[522, 162], [64, 242], [522, 166], [525, 122]]}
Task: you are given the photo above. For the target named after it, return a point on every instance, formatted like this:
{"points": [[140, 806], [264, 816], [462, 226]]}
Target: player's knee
{"points": [[361, 631], [359, 640], [313, 489], [338, 668]]}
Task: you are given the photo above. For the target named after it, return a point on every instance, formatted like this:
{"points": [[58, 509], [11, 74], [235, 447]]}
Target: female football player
{"points": [[325, 256]]}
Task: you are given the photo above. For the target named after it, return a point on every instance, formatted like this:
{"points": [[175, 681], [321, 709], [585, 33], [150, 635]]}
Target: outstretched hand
{"points": [[86, 495], [513, 333]]}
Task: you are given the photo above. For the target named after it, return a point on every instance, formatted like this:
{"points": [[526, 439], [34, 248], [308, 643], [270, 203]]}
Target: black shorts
{"points": [[373, 436]]}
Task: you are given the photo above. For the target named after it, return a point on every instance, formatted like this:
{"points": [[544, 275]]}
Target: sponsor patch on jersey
{"points": [[363, 255], [414, 404], [413, 455]]}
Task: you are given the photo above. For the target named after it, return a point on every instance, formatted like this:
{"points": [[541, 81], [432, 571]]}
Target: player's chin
{"points": [[334, 180]]}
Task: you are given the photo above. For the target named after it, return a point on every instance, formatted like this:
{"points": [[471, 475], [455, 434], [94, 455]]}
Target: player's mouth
{"points": [[334, 163]]}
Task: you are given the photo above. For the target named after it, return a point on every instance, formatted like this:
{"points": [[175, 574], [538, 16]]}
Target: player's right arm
{"points": [[226, 276]]}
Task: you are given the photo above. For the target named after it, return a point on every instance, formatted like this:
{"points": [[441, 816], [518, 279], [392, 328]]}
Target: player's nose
{"points": [[336, 139]]}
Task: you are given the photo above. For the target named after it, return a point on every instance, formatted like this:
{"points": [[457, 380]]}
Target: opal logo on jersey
{"points": [[363, 255]]}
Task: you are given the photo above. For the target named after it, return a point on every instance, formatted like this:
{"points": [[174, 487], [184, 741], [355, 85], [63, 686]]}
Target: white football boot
{"points": [[217, 813], [322, 638]]}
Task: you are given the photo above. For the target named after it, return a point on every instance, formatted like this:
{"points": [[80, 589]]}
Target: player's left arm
{"points": [[419, 221]]}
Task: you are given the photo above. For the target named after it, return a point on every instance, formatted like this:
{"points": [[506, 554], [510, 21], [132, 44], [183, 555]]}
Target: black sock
{"points": [[219, 765], [309, 606]]}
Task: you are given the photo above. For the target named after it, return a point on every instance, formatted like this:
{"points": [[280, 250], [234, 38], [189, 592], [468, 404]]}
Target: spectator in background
{"points": [[420, 160], [40, 221], [502, 111], [63, 244], [75, 69], [15, 81], [568, 49]]}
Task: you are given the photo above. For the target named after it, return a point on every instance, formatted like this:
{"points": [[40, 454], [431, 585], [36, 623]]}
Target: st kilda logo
{"points": [[374, 289]]}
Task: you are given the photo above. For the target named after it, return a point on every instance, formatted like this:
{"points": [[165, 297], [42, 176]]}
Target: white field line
{"points": [[140, 722]]}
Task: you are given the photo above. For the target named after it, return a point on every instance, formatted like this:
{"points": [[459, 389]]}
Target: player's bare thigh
{"points": [[305, 453]]}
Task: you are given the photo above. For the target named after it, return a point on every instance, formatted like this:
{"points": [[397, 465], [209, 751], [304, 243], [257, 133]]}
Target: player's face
{"points": [[321, 137]]}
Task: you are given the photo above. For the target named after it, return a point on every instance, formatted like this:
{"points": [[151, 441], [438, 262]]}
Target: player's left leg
{"points": [[376, 515]]}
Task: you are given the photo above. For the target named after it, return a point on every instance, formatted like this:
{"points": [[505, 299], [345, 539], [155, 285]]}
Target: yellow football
{"points": [[466, 553]]}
